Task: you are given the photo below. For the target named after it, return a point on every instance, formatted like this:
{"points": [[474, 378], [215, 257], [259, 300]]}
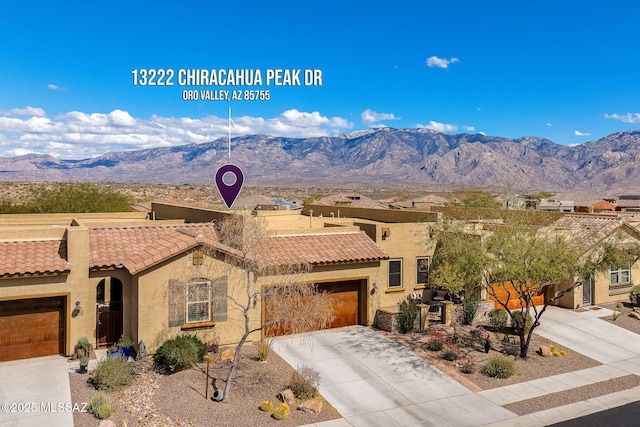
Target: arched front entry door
{"points": [[108, 311]]}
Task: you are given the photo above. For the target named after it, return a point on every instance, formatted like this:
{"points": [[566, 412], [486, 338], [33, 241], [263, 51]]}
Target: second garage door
{"points": [[346, 298], [31, 328]]}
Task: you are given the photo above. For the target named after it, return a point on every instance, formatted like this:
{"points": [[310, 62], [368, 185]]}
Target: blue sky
{"points": [[563, 70]]}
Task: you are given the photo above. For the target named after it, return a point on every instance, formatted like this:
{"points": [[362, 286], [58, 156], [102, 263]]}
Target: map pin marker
{"points": [[229, 192]]}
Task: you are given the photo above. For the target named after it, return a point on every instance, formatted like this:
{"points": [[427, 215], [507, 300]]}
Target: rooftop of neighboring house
{"points": [[353, 200], [583, 196], [587, 230]]}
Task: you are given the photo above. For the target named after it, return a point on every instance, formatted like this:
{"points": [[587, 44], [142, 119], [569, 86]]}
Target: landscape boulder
{"points": [[313, 405], [545, 351], [228, 354], [287, 397]]}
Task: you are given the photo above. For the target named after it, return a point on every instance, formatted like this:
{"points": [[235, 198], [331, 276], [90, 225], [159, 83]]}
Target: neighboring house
{"points": [[428, 201], [67, 276], [556, 206], [587, 232], [593, 206], [628, 203], [351, 200]]}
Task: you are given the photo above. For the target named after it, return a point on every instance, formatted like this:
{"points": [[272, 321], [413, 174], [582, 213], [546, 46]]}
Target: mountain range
{"points": [[381, 155]]}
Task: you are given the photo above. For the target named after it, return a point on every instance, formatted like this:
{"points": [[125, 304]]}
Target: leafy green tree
{"points": [[527, 262], [75, 198], [480, 199], [515, 261], [458, 262]]}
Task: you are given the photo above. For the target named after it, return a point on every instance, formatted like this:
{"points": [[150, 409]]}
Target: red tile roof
{"points": [[26, 258], [139, 247], [317, 249]]}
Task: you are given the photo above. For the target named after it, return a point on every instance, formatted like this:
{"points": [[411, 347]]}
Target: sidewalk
{"points": [[373, 381]]}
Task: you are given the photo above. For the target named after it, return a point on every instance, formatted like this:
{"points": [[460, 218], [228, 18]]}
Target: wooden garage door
{"points": [[31, 328], [346, 302], [345, 296], [509, 294]]}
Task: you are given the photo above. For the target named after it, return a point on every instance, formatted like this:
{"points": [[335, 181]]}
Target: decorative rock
{"points": [[545, 351], [635, 315], [287, 397], [123, 423], [314, 405], [228, 354], [107, 423]]}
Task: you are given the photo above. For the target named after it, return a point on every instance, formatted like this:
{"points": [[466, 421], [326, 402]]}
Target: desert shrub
{"points": [[111, 373], [83, 347], [100, 406], [517, 322], [467, 364], [469, 309], [264, 348], [266, 406], [498, 319], [435, 341], [634, 295], [304, 382], [451, 351], [408, 315], [280, 413], [499, 367], [179, 353]]}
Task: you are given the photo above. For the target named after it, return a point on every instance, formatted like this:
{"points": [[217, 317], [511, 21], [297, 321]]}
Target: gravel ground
{"points": [[624, 320], [155, 399], [533, 367], [574, 395]]}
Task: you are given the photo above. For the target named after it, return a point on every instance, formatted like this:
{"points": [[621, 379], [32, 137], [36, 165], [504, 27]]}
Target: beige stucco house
{"points": [[588, 233], [151, 276]]}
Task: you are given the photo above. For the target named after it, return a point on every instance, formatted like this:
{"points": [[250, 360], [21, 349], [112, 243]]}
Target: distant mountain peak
{"points": [[611, 164]]}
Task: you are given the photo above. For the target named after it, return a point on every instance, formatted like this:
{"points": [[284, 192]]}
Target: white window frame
{"points": [[418, 272], [398, 274], [618, 273], [196, 302]]}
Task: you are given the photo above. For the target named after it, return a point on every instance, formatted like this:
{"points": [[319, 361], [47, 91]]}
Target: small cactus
{"points": [[280, 413], [284, 406], [266, 406], [552, 347], [556, 353], [563, 353]]}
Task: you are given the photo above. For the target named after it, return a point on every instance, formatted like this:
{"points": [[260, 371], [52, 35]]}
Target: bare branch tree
{"points": [[290, 304]]}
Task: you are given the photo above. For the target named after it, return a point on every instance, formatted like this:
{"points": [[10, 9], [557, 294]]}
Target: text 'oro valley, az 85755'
{"points": [[238, 83]]}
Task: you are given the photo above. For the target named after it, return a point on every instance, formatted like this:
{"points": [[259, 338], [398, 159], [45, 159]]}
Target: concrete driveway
{"points": [[373, 381], [36, 392]]}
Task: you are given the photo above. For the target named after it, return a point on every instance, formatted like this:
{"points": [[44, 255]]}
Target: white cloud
{"points": [[27, 111], [51, 86], [578, 133], [434, 61], [369, 117], [626, 118], [78, 135], [469, 128], [549, 124], [439, 127]]}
